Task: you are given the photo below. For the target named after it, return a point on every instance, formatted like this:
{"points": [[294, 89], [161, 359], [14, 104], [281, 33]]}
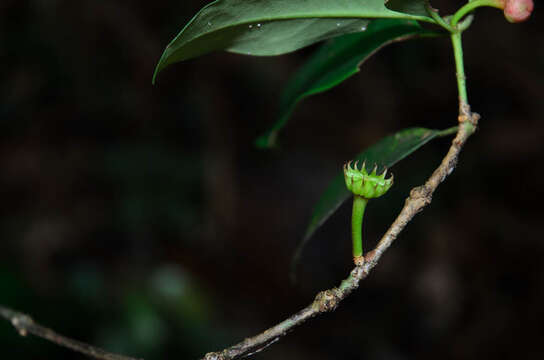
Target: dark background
{"points": [[143, 220]]}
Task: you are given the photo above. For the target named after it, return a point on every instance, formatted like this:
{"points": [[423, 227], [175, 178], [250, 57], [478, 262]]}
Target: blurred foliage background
{"points": [[142, 219]]}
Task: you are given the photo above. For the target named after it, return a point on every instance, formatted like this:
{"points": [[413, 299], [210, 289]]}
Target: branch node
{"points": [[420, 197], [21, 322], [326, 301], [419, 192], [214, 356], [463, 118]]}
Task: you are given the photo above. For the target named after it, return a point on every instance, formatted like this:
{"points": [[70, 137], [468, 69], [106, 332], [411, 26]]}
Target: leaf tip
{"points": [[155, 73]]}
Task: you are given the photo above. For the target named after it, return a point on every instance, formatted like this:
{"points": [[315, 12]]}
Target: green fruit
{"points": [[364, 184]]}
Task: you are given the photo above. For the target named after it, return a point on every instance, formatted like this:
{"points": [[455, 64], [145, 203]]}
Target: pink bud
{"points": [[518, 10]]}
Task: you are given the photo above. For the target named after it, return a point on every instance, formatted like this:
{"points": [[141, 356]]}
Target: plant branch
{"points": [[328, 300], [459, 68], [25, 325], [325, 301]]}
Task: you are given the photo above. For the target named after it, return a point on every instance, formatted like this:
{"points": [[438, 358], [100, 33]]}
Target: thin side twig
{"points": [[25, 325], [328, 300]]}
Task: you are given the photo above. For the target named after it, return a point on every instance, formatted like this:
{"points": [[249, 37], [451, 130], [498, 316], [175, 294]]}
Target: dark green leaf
{"points": [[336, 61], [385, 153], [273, 27], [414, 7]]}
